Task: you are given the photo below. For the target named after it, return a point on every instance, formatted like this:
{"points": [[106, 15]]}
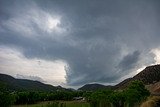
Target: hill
{"points": [[93, 87], [123, 84], [9, 83], [149, 76]]}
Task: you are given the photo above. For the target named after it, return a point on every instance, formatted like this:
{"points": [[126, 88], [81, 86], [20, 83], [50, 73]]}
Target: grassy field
{"points": [[57, 104]]}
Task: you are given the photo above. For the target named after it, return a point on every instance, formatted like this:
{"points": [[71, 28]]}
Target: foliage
{"points": [[6, 99], [129, 97], [136, 93], [33, 97], [3, 86], [117, 98], [100, 98], [27, 97]]}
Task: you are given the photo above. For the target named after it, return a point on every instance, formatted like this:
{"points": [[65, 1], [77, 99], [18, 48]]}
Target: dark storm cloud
{"points": [[99, 38], [129, 61]]}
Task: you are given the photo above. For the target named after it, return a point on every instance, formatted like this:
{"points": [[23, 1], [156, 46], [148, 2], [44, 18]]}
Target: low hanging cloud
{"points": [[35, 78], [97, 41]]}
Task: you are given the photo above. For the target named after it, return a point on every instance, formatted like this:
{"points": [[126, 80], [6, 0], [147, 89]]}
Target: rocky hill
{"points": [[149, 76]]}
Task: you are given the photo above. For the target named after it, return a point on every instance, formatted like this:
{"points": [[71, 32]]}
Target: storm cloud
{"points": [[99, 41]]}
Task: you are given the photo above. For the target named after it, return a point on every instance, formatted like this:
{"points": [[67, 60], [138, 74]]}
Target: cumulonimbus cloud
{"points": [[98, 40]]}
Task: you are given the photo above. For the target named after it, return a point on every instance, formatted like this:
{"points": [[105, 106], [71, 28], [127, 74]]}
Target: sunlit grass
{"points": [[151, 101]]}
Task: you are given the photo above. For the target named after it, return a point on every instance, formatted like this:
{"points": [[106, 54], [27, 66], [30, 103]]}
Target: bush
{"points": [[100, 98], [27, 97], [117, 98]]}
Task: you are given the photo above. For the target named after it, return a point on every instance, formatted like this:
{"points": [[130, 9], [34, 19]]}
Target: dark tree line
{"points": [[7, 98]]}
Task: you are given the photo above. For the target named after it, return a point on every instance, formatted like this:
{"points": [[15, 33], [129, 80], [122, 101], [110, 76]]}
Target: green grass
{"points": [[57, 104]]}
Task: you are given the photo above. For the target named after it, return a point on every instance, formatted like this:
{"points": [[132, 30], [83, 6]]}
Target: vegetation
{"points": [[6, 99], [136, 93], [129, 97]]}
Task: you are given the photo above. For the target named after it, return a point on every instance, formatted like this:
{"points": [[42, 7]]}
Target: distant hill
{"points": [[93, 87], [9, 83]]}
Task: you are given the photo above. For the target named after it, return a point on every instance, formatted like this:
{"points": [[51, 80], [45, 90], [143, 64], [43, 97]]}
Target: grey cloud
{"points": [[97, 35], [129, 61]]}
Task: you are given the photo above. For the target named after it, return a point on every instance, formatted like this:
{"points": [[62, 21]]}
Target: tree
{"points": [[100, 98], [117, 98], [135, 93]]}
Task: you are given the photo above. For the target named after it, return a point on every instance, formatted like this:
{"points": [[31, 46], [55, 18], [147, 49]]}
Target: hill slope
{"points": [[10, 83], [93, 87], [148, 76]]}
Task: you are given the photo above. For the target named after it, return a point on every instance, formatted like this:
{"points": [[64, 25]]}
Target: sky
{"points": [[76, 42]]}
